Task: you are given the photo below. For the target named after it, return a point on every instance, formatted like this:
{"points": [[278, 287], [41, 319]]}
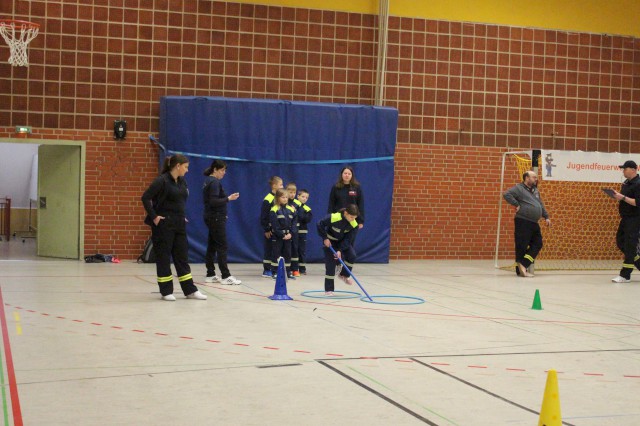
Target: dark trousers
{"points": [[627, 242], [348, 257], [528, 239], [267, 251], [302, 251], [217, 245], [295, 246], [281, 248], [170, 241]]}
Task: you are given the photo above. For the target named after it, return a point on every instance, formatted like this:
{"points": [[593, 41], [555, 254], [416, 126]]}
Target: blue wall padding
{"points": [[304, 142]]}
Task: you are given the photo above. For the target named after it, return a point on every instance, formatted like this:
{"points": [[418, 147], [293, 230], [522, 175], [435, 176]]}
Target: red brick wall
{"points": [[116, 175], [465, 92], [445, 203]]}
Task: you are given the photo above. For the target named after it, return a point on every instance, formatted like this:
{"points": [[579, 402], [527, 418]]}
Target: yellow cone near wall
{"points": [[550, 412]]}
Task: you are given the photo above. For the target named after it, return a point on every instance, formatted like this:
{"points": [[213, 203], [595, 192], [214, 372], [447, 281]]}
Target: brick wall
{"points": [[466, 92], [116, 175], [445, 203]]}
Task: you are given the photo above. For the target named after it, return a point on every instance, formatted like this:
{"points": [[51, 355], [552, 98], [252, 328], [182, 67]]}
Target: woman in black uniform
{"points": [[347, 191], [164, 201], [215, 216]]}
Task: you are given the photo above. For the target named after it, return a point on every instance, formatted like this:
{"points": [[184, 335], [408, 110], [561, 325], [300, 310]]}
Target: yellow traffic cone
{"points": [[550, 411]]}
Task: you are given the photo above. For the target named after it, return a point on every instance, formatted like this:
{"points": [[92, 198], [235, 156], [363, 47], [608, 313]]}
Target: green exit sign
{"points": [[23, 129]]}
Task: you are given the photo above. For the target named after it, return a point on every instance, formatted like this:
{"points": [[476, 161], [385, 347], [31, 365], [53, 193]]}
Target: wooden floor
{"points": [[93, 344]]}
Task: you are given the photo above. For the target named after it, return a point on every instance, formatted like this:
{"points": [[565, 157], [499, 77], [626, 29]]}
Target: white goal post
{"points": [[500, 199]]}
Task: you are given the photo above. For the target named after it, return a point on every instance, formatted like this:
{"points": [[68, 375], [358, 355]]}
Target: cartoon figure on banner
{"points": [[549, 164]]}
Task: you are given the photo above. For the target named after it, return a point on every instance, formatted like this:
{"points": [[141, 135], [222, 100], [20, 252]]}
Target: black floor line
{"points": [[279, 365], [378, 394], [508, 401]]}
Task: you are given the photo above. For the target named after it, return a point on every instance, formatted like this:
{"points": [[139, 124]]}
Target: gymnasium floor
{"points": [[92, 344]]}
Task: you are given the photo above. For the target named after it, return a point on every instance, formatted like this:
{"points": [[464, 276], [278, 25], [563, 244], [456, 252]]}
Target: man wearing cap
{"points": [[629, 228], [529, 209]]}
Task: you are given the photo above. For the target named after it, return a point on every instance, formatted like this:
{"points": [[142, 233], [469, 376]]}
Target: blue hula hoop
{"points": [[414, 300], [347, 294]]}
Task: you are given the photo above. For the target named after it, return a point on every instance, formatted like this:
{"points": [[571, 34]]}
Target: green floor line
{"points": [[5, 411], [389, 389]]}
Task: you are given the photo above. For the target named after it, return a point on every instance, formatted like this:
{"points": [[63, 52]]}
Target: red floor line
{"points": [[13, 386], [402, 360], [2, 304], [632, 377], [367, 308]]}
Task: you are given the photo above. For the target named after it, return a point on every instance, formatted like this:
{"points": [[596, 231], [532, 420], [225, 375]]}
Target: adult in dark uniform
{"points": [[629, 227], [338, 230], [164, 201], [215, 217], [347, 190]]}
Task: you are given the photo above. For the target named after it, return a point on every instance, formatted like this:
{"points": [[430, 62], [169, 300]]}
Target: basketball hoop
{"points": [[18, 34]]}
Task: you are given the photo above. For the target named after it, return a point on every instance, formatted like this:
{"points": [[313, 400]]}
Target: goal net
{"points": [[583, 221]]}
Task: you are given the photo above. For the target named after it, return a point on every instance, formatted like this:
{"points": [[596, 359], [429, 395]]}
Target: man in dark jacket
{"points": [[629, 228]]}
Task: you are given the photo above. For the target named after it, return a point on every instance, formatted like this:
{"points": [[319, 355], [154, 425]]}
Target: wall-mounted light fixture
{"points": [[23, 130]]}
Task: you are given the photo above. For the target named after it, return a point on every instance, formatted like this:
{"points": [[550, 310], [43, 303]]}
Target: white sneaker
{"points": [[196, 295], [230, 280], [620, 279], [169, 298], [213, 279]]}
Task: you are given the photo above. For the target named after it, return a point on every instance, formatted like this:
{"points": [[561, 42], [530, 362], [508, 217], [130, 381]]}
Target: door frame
{"points": [[83, 160]]}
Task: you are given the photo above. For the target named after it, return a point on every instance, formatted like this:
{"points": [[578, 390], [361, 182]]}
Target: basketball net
{"points": [[18, 34], [523, 164]]}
